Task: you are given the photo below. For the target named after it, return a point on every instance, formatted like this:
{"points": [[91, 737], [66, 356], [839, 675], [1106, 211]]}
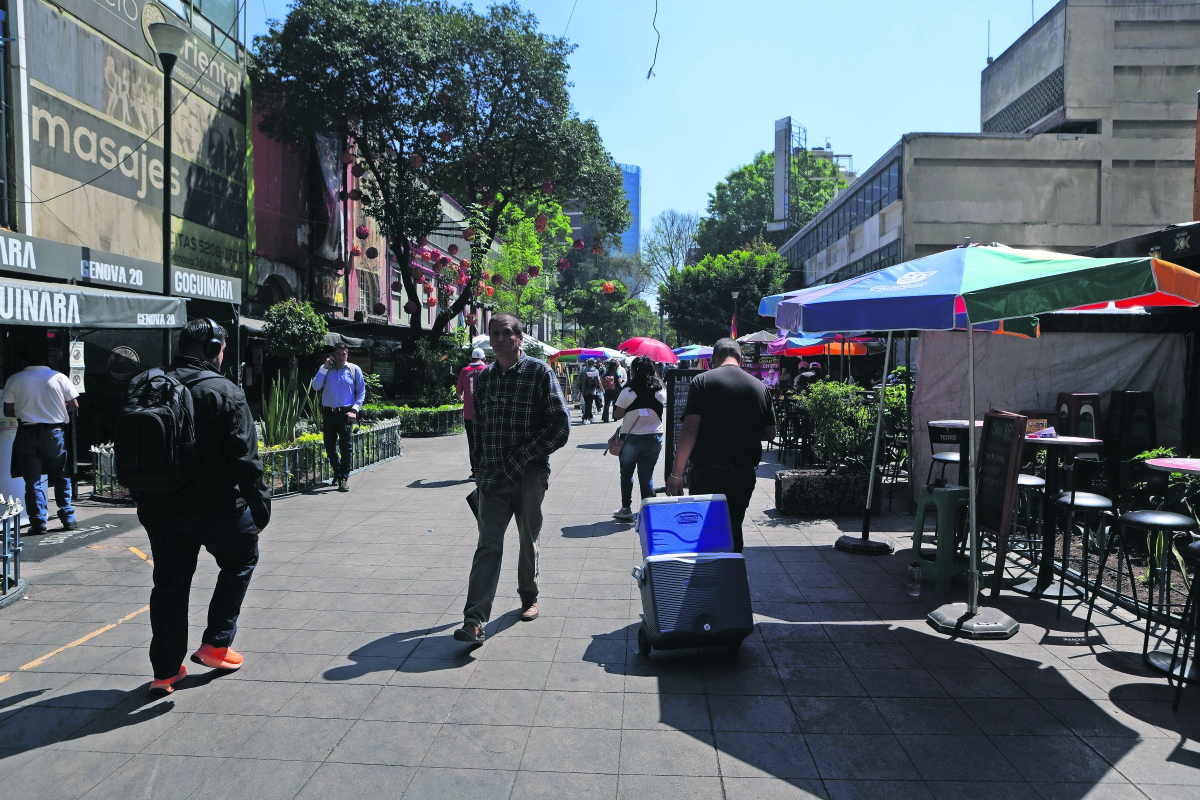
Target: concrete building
{"points": [[1088, 132]]}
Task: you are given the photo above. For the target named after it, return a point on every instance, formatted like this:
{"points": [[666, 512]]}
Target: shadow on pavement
{"points": [[66, 717], [391, 652], [592, 446], [423, 484], [607, 528]]}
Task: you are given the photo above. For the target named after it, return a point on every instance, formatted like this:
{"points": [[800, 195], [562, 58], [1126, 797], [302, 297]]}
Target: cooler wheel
{"points": [[643, 643]]}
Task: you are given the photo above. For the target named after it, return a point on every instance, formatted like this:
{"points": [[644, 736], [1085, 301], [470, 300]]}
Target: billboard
{"points": [[783, 163]]}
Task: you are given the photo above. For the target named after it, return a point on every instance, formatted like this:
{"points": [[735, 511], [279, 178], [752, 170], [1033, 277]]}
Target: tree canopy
{"points": [[698, 300], [608, 318]]}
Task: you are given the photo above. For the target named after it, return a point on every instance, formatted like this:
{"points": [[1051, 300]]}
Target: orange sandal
{"points": [[162, 688], [217, 657]]}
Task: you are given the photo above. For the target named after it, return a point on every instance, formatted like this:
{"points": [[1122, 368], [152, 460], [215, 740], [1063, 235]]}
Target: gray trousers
{"points": [[497, 507]]}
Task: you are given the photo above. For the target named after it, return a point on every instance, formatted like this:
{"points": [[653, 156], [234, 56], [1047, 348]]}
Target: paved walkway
{"points": [[354, 688]]}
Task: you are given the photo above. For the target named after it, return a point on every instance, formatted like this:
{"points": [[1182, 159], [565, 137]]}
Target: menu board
{"points": [[677, 381], [996, 480]]}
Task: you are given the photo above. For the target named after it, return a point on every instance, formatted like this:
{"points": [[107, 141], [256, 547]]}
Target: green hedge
{"points": [[435, 421]]}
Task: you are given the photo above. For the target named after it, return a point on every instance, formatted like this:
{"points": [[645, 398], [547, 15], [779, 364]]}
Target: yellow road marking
{"points": [[38, 662], [142, 556]]}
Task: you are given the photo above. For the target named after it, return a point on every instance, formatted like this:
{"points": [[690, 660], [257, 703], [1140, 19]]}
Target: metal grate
{"points": [[1047, 96]]}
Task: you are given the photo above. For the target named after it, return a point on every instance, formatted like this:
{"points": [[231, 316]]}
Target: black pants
{"points": [[469, 424], [735, 482], [175, 543], [610, 401], [338, 444], [588, 400]]}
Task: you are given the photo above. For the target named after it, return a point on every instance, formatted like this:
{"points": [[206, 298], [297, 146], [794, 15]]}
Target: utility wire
{"points": [[654, 24], [570, 16]]}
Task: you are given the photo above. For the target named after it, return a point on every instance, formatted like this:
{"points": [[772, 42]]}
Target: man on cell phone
{"points": [[343, 392]]}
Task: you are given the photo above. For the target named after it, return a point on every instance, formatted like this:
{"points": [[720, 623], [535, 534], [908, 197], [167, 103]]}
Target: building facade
{"points": [[1087, 136], [631, 239]]}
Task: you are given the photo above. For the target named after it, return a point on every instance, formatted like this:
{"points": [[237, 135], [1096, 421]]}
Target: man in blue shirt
{"points": [[343, 392]]}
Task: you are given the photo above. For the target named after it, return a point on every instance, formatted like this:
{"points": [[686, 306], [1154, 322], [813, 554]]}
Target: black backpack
{"points": [[155, 448]]}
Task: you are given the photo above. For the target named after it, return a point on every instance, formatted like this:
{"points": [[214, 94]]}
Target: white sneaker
{"points": [[623, 514]]}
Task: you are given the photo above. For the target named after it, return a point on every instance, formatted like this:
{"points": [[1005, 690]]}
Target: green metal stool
{"points": [[944, 559]]}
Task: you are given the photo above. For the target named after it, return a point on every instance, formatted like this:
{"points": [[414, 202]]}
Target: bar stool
{"points": [[943, 559], [1187, 631], [939, 435], [1090, 474], [1031, 492]]}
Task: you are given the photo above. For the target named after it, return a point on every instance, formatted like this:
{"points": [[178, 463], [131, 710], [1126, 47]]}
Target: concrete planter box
{"points": [[810, 492]]}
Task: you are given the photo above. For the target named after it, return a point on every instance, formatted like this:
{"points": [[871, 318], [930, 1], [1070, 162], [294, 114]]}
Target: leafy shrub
{"points": [[294, 328], [281, 411]]}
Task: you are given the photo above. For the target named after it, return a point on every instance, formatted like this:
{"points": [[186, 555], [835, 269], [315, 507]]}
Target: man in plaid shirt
{"points": [[521, 418]]}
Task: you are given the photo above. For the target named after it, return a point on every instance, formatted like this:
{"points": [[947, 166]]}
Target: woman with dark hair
{"points": [[639, 408]]}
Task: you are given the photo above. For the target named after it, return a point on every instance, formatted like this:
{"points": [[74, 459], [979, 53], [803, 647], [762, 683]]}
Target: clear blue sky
{"points": [[860, 72]]}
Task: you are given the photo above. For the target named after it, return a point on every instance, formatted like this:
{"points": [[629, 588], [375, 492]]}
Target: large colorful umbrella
{"points": [[693, 352], [993, 283], [651, 348], [575, 354]]}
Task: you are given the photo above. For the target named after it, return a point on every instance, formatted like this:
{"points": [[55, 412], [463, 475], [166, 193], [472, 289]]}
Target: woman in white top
{"points": [[639, 407]]}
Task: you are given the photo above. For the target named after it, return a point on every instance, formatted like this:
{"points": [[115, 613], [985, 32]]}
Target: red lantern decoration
{"points": [[372, 253], [490, 291], [609, 287], [547, 187], [563, 264], [443, 261], [339, 264], [356, 250], [540, 222], [578, 244], [379, 308], [362, 231], [453, 249], [411, 307], [397, 286], [347, 158], [534, 272], [357, 170], [415, 161], [356, 194], [426, 255], [471, 319], [498, 279], [417, 274], [597, 249], [431, 301], [522, 278], [469, 234], [343, 195], [445, 136], [428, 287]]}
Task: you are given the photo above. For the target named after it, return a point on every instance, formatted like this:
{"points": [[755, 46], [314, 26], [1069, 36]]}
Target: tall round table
{"points": [[1045, 584], [1161, 659]]}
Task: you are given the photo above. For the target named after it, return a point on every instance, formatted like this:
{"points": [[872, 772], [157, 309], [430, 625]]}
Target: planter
{"points": [[810, 492]]}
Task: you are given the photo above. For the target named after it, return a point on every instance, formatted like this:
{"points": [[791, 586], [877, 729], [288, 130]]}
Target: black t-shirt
{"points": [[733, 407]]}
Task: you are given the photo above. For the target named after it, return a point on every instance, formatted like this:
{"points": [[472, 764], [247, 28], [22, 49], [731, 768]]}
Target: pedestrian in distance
{"points": [[639, 408], [223, 508], [466, 395], [41, 399], [521, 418], [807, 377], [613, 381], [343, 392], [727, 417], [589, 387]]}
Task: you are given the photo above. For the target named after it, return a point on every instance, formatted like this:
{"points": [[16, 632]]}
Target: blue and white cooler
{"points": [[694, 587]]}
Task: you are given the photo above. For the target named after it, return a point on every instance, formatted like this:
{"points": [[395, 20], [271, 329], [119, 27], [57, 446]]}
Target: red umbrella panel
{"points": [[651, 348]]}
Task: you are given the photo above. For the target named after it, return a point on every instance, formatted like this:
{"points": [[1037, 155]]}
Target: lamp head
{"points": [[735, 294], [168, 41]]}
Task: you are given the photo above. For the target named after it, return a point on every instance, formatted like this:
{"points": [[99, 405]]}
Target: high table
{"points": [[1161, 659], [964, 451], [1045, 584]]}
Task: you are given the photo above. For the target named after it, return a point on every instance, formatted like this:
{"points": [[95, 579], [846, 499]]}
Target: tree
{"points": [[697, 298], [523, 247], [740, 206], [608, 318], [671, 241], [294, 329]]}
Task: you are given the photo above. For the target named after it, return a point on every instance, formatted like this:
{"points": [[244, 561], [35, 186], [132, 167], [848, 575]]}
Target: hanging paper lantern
{"points": [[453, 249], [379, 308], [347, 157], [372, 253], [609, 287], [597, 250], [426, 255], [397, 286], [522, 278], [428, 287], [362, 231], [498, 279], [547, 187], [563, 264], [431, 301], [415, 161], [356, 250], [356, 194], [445, 136], [534, 272], [469, 234], [578, 244], [343, 195], [443, 261], [357, 170], [411, 307], [540, 222], [339, 264], [490, 291], [443, 98]]}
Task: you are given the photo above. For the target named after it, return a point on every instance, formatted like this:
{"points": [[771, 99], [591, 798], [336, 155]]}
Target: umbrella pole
{"points": [[969, 620], [864, 545]]}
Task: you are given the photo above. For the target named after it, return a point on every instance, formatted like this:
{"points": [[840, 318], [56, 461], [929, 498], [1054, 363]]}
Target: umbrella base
{"points": [[864, 547], [1050, 592], [953, 619]]}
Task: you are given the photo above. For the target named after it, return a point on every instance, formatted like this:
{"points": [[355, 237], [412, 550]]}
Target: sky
{"points": [[860, 73]]}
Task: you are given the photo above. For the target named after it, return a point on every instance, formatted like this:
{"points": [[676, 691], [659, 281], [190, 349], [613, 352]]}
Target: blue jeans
{"points": [[39, 451], [641, 451]]}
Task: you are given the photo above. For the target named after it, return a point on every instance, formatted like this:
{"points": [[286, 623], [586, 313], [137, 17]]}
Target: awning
{"points": [[251, 324], [63, 305]]}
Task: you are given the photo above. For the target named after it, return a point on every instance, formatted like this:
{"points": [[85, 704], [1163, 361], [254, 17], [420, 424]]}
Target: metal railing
{"points": [[13, 587], [287, 471], [432, 423]]}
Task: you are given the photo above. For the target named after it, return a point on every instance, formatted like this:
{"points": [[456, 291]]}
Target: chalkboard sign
{"points": [[999, 462], [677, 381]]}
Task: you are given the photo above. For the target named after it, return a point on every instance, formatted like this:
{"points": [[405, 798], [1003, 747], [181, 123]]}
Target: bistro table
{"points": [[1161, 659], [964, 449], [1045, 583]]}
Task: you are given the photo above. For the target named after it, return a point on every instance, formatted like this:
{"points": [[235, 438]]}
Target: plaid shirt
{"points": [[521, 418]]}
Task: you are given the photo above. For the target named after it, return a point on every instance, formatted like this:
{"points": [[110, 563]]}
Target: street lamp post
{"points": [[562, 321], [735, 294], [168, 43]]}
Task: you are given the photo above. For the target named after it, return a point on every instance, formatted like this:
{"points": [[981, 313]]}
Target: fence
{"points": [[13, 587], [287, 471], [429, 422]]}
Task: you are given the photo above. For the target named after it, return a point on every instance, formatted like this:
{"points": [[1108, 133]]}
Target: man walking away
{"points": [[223, 509], [521, 418], [343, 392], [41, 399], [466, 395], [590, 387], [613, 382], [727, 417]]}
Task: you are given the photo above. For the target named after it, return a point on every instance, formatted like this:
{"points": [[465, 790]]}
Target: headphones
{"points": [[213, 346]]}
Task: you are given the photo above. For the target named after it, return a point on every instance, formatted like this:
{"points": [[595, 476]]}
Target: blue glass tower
{"points": [[631, 240]]}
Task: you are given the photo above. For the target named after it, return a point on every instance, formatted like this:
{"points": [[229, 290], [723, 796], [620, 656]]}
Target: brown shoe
{"points": [[529, 611]]}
